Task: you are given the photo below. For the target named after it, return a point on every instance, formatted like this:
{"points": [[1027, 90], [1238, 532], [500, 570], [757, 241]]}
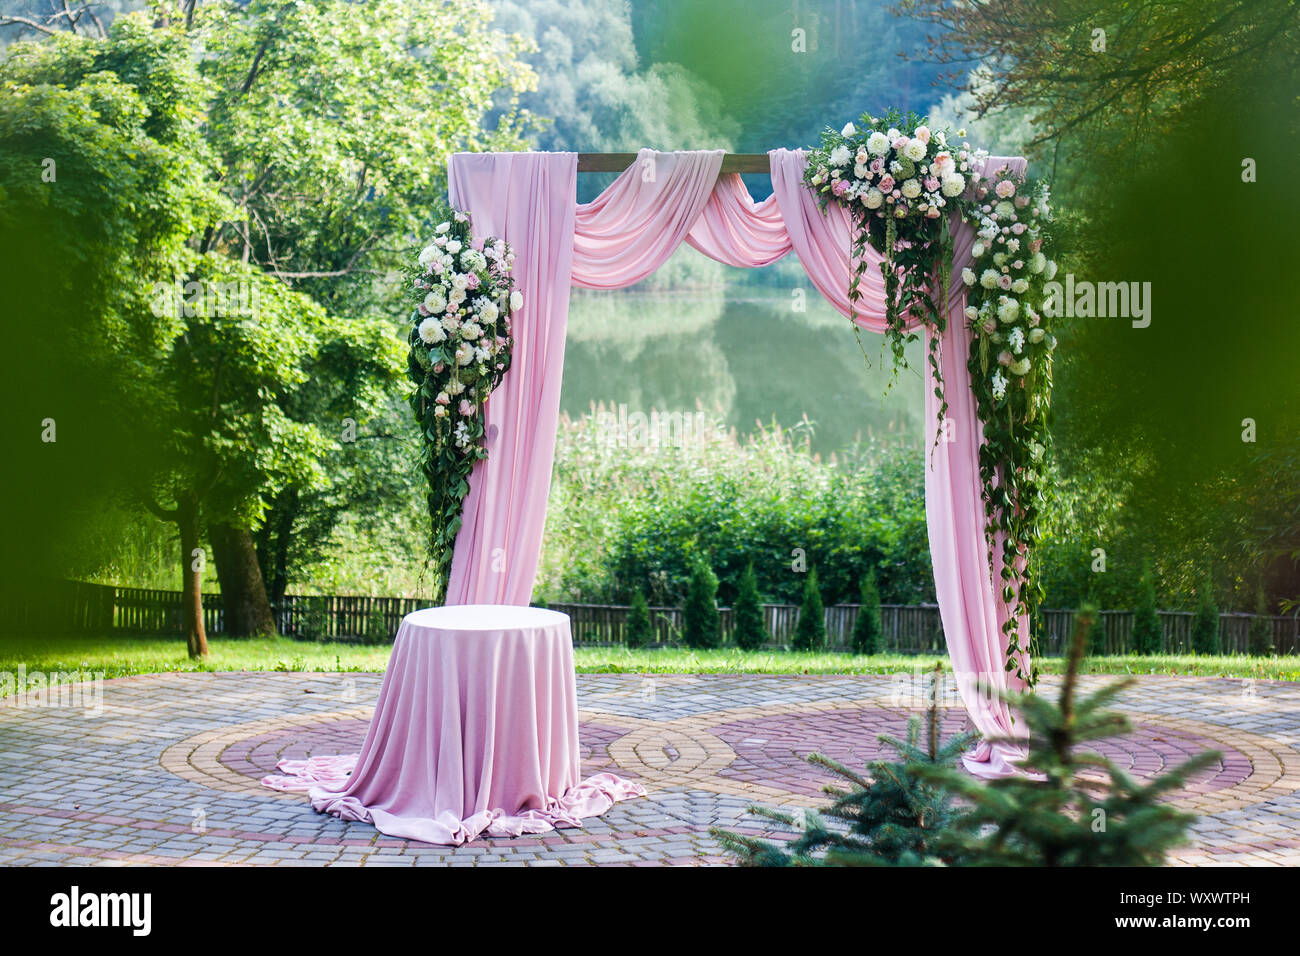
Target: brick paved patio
{"points": [[168, 772]]}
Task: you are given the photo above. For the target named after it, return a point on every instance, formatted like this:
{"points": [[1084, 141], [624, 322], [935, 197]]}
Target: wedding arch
{"points": [[660, 200]]}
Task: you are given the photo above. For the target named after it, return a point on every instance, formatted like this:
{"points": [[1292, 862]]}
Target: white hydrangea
{"points": [[431, 332]]}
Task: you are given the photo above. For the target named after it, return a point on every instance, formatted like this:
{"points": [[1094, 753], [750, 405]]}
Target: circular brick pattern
{"points": [[773, 751]]}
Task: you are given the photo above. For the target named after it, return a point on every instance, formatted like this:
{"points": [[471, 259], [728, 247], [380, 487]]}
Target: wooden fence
{"points": [[97, 608]]}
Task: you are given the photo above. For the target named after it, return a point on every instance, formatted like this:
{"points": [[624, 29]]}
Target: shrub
{"points": [[810, 632], [701, 609], [1261, 631], [638, 631], [747, 613], [1146, 623], [868, 632], [1205, 629]]}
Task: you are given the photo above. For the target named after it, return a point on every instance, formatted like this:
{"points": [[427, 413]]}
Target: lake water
{"points": [[740, 349]]}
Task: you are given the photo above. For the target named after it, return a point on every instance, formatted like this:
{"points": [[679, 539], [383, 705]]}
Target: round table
{"points": [[475, 731]]}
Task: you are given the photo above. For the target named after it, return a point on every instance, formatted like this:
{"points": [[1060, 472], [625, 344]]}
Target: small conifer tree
{"points": [[701, 624], [1205, 629], [638, 630], [1147, 633], [810, 632], [751, 632], [868, 632]]}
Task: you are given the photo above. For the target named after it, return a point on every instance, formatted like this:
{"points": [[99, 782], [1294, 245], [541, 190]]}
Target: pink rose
{"points": [[931, 184], [442, 399], [1004, 358], [1018, 264], [1005, 189], [877, 165], [841, 187], [1036, 245], [923, 134], [1022, 202], [466, 408], [471, 281], [476, 244], [942, 161], [932, 213], [900, 144], [1004, 283], [887, 183], [438, 369], [1018, 228], [989, 326]]}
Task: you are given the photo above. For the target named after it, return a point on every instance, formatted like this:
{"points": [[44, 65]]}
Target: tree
{"points": [[889, 816], [747, 613], [1073, 807], [1205, 628], [1261, 628], [810, 631], [1148, 635], [702, 623], [868, 632], [638, 631]]}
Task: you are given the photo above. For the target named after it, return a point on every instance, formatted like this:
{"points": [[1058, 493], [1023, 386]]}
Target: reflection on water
{"points": [[742, 351]]}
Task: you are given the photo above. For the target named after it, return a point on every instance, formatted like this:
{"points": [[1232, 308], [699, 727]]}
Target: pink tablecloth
{"points": [[475, 731]]}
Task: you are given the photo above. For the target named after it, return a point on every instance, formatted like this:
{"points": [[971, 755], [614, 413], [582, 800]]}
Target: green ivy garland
{"points": [[901, 181], [460, 348]]}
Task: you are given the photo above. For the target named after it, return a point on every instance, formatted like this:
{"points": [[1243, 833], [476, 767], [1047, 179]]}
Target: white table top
{"points": [[485, 617]]}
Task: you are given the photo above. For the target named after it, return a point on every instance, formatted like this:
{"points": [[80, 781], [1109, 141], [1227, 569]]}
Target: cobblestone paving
{"points": [[165, 769]]}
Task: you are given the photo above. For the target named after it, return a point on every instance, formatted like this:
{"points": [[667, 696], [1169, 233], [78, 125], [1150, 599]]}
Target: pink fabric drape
{"points": [[630, 229], [620, 238], [526, 199]]}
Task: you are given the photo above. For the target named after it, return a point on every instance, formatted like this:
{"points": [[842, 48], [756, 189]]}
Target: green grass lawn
{"points": [[119, 656]]}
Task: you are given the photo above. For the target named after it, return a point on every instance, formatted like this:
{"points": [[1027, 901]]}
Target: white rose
{"points": [[1036, 335], [977, 250], [431, 331], [434, 301], [459, 282], [427, 255], [849, 130], [443, 227], [453, 246], [464, 354], [516, 301], [860, 172], [1020, 285], [967, 276], [971, 312], [488, 311]]}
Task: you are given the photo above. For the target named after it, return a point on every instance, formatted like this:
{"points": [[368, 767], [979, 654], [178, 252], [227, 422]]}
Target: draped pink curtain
{"points": [[620, 238]]}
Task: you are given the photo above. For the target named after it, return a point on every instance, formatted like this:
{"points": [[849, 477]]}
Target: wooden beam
{"points": [[617, 162]]}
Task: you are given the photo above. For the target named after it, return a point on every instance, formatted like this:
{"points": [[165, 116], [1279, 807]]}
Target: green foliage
{"points": [[638, 630], [747, 613], [620, 517], [889, 816], [1074, 807], [810, 631], [868, 633], [1071, 807], [1260, 637], [1148, 635], [702, 625], [1205, 628]]}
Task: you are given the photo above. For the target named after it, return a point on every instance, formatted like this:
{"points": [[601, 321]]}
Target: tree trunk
{"points": [[243, 592], [187, 519], [273, 544]]}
